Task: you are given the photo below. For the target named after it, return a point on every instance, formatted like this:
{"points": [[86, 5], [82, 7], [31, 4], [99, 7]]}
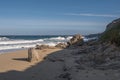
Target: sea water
{"points": [[13, 42]]}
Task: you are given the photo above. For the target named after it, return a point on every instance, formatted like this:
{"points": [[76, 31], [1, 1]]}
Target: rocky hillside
{"points": [[112, 33]]}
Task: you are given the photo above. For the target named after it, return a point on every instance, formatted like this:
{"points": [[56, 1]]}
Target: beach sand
{"points": [[18, 60], [54, 64]]}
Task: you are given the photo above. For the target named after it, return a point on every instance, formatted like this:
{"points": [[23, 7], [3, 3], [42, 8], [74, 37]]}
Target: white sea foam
{"points": [[85, 39], [15, 47], [88, 39], [68, 38], [20, 41], [51, 44], [58, 38]]}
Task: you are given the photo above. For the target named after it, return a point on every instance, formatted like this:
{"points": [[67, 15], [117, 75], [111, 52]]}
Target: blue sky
{"points": [[54, 17]]}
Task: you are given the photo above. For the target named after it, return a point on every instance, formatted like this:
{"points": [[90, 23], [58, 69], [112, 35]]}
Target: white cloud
{"points": [[93, 15]]}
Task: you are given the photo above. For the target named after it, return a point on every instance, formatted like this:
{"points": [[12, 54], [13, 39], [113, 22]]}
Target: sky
{"points": [[56, 17]]}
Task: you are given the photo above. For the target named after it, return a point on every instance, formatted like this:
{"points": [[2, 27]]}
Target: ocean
{"points": [[14, 42]]}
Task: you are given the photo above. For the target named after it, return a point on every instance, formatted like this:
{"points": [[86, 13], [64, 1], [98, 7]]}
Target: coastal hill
{"points": [[112, 33]]}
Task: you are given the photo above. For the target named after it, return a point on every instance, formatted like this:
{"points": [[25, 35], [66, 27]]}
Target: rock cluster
{"points": [[76, 40]]}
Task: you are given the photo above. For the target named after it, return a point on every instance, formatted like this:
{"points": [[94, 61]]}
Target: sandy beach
{"points": [[18, 60]]}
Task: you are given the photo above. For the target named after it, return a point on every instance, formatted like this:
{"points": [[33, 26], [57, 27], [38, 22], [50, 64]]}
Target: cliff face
{"points": [[112, 33]]}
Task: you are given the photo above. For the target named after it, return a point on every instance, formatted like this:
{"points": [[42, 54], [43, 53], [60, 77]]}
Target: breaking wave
{"points": [[8, 44]]}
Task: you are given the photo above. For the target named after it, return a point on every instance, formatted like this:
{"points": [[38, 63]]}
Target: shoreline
{"points": [[12, 50]]}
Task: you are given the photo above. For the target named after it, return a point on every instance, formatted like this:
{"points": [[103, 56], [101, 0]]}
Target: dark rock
{"points": [[80, 67], [78, 52], [65, 76], [99, 58], [91, 42], [111, 65], [55, 59]]}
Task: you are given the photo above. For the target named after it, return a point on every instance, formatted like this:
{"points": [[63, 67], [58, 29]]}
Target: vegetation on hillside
{"points": [[112, 35]]}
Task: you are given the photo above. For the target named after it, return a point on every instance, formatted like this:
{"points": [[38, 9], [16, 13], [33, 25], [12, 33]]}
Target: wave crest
{"points": [[58, 38], [20, 41]]}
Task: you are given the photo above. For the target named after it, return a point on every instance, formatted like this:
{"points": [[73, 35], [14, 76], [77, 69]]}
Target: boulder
{"points": [[76, 40], [32, 55]]}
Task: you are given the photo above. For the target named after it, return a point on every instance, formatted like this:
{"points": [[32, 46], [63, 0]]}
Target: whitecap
{"points": [[58, 38], [68, 38], [20, 41]]}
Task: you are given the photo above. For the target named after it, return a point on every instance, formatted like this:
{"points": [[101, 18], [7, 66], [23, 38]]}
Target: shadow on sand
{"points": [[21, 59]]}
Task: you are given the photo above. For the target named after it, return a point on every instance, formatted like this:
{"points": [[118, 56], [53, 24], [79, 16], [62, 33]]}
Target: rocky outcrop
{"points": [[112, 33], [32, 55], [76, 40], [61, 45]]}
